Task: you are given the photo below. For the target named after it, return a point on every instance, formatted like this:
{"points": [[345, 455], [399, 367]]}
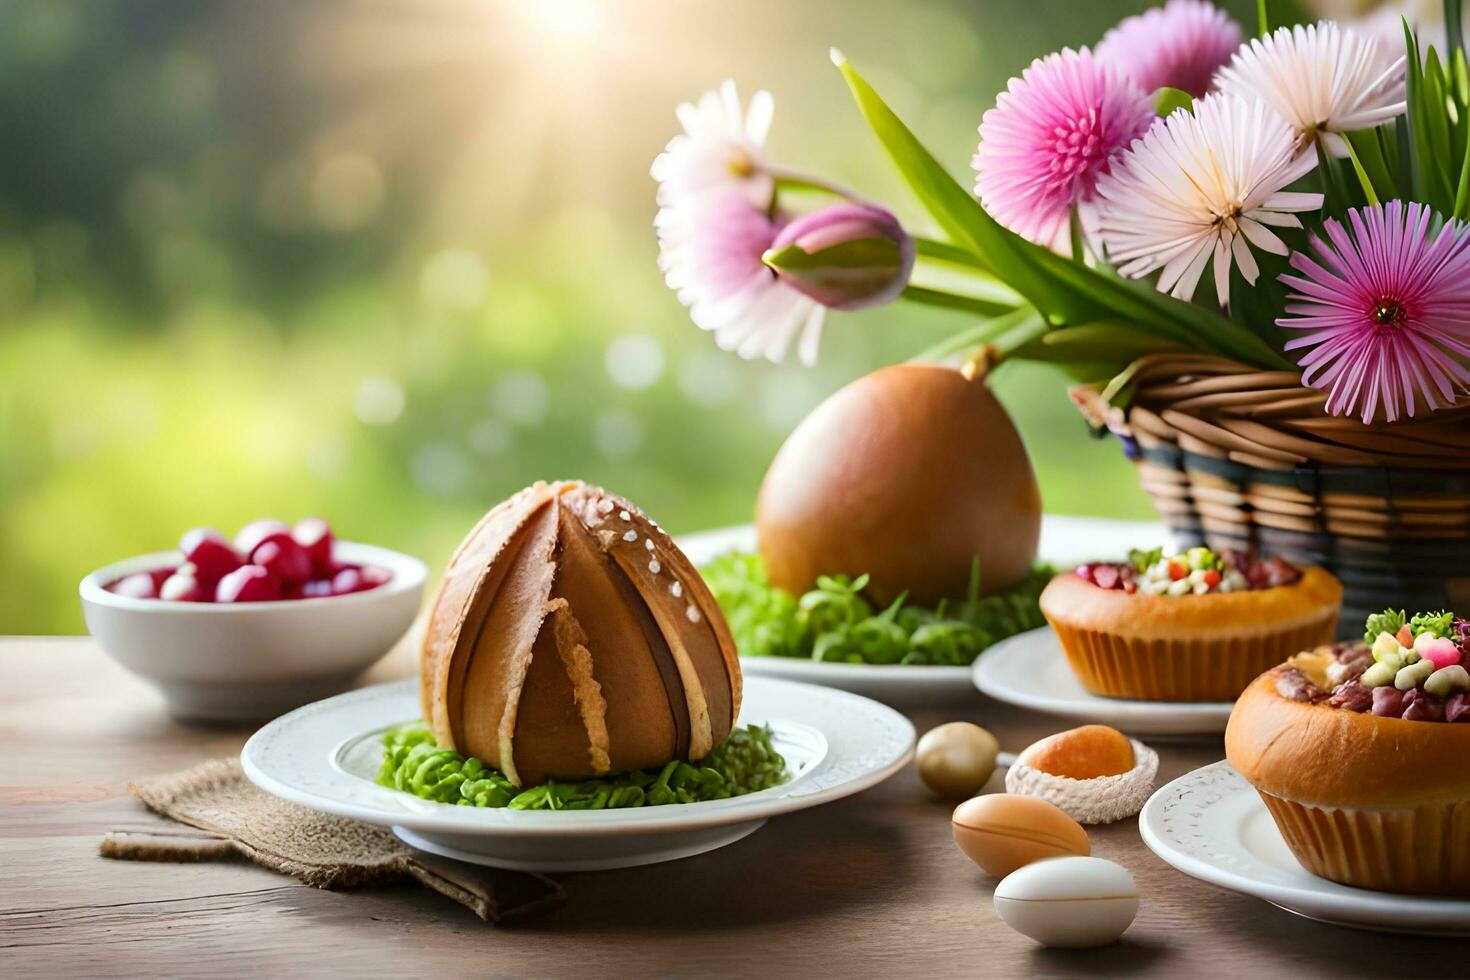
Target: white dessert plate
{"points": [[1064, 541], [1030, 670], [326, 755], [1212, 825]]}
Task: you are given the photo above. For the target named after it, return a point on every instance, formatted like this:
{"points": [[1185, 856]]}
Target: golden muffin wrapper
{"points": [[1411, 850], [1199, 668]]}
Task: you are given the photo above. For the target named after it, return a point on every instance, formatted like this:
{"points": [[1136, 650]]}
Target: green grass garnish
{"points": [[744, 763], [833, 622]]}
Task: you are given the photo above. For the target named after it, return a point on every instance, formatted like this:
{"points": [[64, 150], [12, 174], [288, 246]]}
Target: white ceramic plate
{"points": [[1212, 825], [1030, 670], [325, 756], [1064, 541]]}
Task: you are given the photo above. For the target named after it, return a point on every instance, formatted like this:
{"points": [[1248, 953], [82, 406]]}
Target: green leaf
{"points": [[1167, 99], [955, 301], [1371, 164], [1420, 154], [1095, 351], [1436, 95], [1199, 327]]}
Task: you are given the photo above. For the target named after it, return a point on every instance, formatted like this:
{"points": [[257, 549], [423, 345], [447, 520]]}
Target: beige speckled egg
{"points": [[1001, 832], [1072, 902]]}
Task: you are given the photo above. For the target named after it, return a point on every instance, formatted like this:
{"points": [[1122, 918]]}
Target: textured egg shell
{"points": [[1072, 902], [904, 475], [1001, 832]]}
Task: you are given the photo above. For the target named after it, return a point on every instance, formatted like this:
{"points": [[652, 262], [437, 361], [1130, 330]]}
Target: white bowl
{"points": [[252, 660]]}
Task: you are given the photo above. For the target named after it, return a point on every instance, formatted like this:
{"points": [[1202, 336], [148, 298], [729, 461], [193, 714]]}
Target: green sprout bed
{"points": [[833, 622], [743, 763]]}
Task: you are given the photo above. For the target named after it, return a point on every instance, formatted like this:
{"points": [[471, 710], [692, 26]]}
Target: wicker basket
{"points": [[1235, 457]]}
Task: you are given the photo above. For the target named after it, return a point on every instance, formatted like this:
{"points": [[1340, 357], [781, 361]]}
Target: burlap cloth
{"points": [[232, 818]]}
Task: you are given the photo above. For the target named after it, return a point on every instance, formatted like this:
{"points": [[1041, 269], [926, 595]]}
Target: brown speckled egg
{"points": [[906, 475]]}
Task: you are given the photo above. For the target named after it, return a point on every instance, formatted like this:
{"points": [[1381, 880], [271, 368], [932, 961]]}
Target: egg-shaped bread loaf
{"points": [[571, 638]]}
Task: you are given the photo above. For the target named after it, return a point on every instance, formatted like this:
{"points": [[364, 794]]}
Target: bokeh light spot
{"points": [[635, 361], [521, 398], [379, 401], [454, 279], [708, 378], [617, 434], [441, 469], [347, 191]]}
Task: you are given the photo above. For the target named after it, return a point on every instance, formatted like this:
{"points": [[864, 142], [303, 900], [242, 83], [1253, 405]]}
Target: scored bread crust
{"points": [[1082, 605], [571, 638], [1330, 757]]}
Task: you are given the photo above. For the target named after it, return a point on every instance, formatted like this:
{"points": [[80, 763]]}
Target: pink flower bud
{"points": [[846, 257]]}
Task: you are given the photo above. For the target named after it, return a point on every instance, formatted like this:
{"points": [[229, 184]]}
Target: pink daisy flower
{"points": [[721, 149], [1181, 44], [710, 250], [1385, 313], [1050, 136]]}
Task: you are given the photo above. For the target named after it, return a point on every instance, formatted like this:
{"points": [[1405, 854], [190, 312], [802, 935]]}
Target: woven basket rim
{"points": [[1215, 406]]}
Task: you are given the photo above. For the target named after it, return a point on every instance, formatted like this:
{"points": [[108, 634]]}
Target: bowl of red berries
{"points": [[245, 628]]}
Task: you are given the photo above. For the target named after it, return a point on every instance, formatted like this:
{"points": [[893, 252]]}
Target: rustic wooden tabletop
{"points": [[873, 885]]}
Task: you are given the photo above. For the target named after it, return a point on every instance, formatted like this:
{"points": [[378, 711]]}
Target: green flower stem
{"points": [[955, 301], [1263, 19], [938, 251], [791, 180], [1074, 228], [1005, 334]]}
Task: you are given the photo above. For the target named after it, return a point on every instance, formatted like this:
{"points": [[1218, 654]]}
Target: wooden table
{"points": [[873, 885]]}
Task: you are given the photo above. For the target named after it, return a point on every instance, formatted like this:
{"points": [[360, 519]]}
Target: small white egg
{"points": [[1072, 902]]}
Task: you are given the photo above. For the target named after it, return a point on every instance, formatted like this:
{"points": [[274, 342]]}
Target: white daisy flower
{"points": [[710, 250], [1200, 186], [720, 149], [1323, 79]]}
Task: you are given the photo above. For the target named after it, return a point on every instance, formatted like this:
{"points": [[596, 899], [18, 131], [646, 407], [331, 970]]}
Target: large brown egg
{"points": [[906, 475], [572, 638]]}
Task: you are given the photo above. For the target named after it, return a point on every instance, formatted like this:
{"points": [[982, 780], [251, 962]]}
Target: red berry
{"points": [[248, 583], [184, 585], [139, 585], [374, 576], [283, 558], [1084, 572], [208, 551], [317, 589], [1177, 571], [254, 534], [1211, 578], [347, 581], [315, 535], [1106, 576]]}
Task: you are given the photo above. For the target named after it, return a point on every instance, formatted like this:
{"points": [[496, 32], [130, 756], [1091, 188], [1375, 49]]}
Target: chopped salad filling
{"points": [[1198, 571], [1409, 667]]}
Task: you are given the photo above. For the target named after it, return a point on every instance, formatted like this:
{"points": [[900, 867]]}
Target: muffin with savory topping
{"points": [[1359, 751], [1197, 626]]}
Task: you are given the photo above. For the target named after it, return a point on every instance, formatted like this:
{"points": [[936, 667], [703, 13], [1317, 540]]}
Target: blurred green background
{"points": [[387, 261]]}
